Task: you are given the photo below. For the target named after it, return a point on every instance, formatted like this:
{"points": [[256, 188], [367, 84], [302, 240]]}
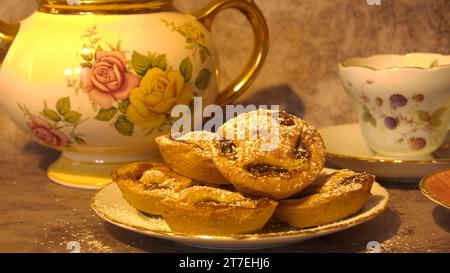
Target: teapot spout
{"points": [[7, 34]]}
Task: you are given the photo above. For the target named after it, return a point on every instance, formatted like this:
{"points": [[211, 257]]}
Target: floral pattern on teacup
{"points": [[403, 114]]}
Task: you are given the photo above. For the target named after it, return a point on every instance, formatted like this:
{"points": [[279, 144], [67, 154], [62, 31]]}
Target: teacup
{"points": [[402, 101]]}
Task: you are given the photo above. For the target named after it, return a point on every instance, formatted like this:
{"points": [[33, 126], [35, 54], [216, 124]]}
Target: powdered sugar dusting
{"points": [[212, 197], [298, 154]]}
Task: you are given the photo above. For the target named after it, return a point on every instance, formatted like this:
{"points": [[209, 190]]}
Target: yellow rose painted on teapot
{"points": [[98, 79], [157, 94]]}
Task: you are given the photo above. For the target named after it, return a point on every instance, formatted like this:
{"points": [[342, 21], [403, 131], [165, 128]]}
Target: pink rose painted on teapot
{"points": [[108, 79], [44, 131]]}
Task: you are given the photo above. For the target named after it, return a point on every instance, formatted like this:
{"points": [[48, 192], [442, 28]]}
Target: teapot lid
{"points": [[103, 6]]}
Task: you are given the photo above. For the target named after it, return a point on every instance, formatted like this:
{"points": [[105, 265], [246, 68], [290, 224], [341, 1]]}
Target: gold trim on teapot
{"points": [[104, 6]]}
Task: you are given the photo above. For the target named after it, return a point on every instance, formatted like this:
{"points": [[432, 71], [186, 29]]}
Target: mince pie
{"points": [[269, 153], [331, 198], [190, 155], [145, 184], [212, 211]]}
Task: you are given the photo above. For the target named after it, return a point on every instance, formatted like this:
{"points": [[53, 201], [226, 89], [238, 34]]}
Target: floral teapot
{"points": [[97, 79]]}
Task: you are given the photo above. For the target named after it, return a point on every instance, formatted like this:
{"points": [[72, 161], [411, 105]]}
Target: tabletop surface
{"points": [[38, 215]]}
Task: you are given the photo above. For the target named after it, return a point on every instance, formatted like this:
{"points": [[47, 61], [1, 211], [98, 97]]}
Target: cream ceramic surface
{"points": [[402, 101], [109, 205], [38, 74], [347, 148], [100, 85]]}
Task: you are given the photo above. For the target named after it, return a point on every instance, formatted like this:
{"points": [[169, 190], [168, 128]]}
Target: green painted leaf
{"points": [[203, 56], [366, 109], [366, 117], [141, 63], [72, 117], [207, 52], [123, 126], [51, 115], [186, 69], [435, 120], [63, 105], [203, 79], [87, 57], [119, 45], [123, 106], [423, 116], [160, 61], [373, 121], [86, 64], [79, 140], [106, 114], [439, 113], [434, 123]]}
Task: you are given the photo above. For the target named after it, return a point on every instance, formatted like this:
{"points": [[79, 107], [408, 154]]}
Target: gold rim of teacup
{"points": [[343, 64], [387, 160]]}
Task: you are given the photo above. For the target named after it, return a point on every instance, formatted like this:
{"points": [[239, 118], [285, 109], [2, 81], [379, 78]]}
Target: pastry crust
{"points": [[212, 211], [190, 155], [331, 198], [145, 184], [276, 160]]}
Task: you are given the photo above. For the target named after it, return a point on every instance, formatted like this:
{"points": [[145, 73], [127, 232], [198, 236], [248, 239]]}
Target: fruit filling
{"points": [[156, 179], [228, 148], [285, 119], [357, 178], [265, 170], [300, 150]]}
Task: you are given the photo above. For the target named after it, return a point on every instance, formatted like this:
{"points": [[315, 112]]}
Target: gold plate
{"points": [[429, 194], [109, 205]]}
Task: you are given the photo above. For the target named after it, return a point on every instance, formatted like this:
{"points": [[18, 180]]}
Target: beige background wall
{"points": [[308, 38]]}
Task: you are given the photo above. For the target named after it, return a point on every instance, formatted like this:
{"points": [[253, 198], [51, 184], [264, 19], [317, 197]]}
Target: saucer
{"points": [[109, 204], [437, 187], [347, 148]]}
